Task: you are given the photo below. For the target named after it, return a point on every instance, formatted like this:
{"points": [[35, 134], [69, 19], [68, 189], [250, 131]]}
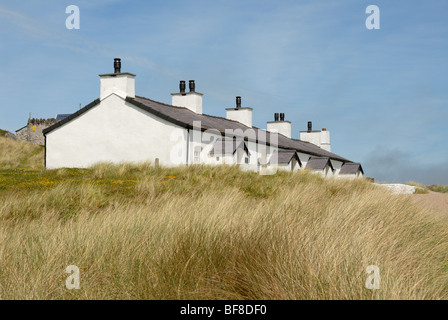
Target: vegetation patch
{"points": [[419, 188], [438, 188], [200, 232]]}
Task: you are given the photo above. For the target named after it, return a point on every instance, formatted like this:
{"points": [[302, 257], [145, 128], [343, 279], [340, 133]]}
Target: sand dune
{"points": [[435, 201]]}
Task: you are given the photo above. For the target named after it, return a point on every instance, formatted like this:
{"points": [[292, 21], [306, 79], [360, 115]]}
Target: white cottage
{"points": [[122, 127]]}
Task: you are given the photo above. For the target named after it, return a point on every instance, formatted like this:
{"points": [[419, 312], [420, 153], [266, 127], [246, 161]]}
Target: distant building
{"points": [[32, 132]]}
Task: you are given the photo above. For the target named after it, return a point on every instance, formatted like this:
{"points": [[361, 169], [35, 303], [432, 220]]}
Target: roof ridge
{"points": [[165, 104], [202, 114], [329, 153], [216, 117]]}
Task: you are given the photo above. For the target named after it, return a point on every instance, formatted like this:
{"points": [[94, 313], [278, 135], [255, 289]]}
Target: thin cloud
{"points": [[394, 165], [31, 26]]}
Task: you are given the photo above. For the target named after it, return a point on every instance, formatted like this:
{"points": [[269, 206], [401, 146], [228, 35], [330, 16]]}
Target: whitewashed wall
{"points": [[115, 131], [304, 158], [337, 165]]}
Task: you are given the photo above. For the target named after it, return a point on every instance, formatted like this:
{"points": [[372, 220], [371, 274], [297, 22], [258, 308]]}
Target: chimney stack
{"points": [[191, 100], [280, 125], [120, 83], [319, 138], [240, 114]]}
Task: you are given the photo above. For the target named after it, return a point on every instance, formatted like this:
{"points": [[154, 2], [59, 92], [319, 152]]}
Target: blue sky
{"points": [[381, 93]]}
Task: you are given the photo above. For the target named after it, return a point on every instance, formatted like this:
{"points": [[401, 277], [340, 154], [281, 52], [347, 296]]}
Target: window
{"points": [[246, 160], [217, 158], [197, 154]]}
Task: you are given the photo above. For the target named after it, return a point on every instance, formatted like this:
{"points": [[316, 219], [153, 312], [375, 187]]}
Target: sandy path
{"points": [[437, 202]]}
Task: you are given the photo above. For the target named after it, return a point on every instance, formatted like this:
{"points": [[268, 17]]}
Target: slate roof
{"points": [[221, 147], [62, 116], [351, 168], [316, 163], [285, 156], [184, 117]]}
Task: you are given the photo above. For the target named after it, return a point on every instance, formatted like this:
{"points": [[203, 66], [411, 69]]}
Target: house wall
{"points": [[284, 166], [328, 172], [304, 158], [115, 131], [35, 136], [208, 138], [337, 165], [295, 166], [351, 176]]}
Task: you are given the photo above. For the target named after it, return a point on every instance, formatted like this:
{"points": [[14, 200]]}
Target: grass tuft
{"points": [[438, 188], [18, 154]]}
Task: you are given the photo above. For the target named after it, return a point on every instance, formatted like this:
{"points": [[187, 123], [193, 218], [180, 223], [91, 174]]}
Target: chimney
{"points": [[119, 83], [281, 126], [325, 140], [238, 102], [182, 86], [117, 65], [317, 137], [191, 100], [242, 115]]}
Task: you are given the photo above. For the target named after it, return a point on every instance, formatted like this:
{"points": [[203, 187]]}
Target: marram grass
{"points": [[15, 154], [137, 232]]}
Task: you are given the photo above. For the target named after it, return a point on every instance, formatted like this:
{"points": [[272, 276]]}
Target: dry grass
{"points": [[14, 154], [212, 233], [419, 188], [438, 188]]}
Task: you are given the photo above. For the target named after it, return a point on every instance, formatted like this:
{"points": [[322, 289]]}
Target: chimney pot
{"points": [[117, 65], [310, 126], [282, 117], [192, 86], [275, 116], [324, 129], [238, 102], [182, 86]]}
